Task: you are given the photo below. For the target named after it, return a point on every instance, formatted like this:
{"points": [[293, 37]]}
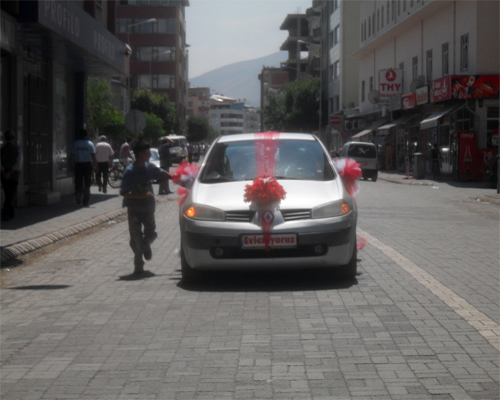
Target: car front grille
{"points": [[237, 253], [240, 216], [294, 215]]}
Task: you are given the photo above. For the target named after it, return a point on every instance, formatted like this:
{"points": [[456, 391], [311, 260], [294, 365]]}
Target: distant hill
{"points": [[239, 80]]}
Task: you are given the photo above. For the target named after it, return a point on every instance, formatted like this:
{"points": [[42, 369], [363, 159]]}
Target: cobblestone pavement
{"points": [[419, 322]]}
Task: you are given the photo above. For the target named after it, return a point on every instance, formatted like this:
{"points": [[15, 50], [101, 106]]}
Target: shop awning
{"points": [[384, 129], [432, 120], [372, 127]]}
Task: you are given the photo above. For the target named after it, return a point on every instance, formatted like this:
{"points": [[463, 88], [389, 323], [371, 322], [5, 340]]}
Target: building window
{"points": [[464, 52], [404, 5], [335, 4], [393, 10], [336, 104], [446, 59], [363, 89], [382, 18], [399, 7], [336, 70], [336, 35], [429, 65], [371, 83], [414, 68], [378, 20], [369, 26]]}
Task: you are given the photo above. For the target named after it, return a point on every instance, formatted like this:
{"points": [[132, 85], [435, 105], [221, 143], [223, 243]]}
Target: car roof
{"points": [[253, 136]]}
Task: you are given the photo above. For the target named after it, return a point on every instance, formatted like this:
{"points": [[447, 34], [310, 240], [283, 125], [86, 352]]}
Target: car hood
{"points": [[299, 194]]}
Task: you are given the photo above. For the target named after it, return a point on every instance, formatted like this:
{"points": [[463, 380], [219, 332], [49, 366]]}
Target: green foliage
{"points": [[212, 134], [295, 109], [153, 130], [198, 129], [158, 104], [102, 115]]}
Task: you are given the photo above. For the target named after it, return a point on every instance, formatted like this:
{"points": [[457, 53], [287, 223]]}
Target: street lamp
{"points": [[320, 81], [151, 20], [150, 62]]}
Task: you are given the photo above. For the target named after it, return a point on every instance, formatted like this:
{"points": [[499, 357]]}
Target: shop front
{"points": [[61, 45]]}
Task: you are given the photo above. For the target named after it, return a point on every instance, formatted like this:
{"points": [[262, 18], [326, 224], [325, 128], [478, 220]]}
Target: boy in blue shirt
{"points": [[138, 197], [83, 160]]}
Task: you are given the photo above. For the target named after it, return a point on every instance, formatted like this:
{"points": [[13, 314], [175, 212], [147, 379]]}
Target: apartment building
{"points": [[332, 27], [230, 116], [428, 73], [155, 30], [272, 81], [48, 49], [199, 102]]}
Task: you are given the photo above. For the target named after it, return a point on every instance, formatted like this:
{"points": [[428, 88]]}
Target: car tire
{"points": [[374, 177], [188, 273], [350, 270]]}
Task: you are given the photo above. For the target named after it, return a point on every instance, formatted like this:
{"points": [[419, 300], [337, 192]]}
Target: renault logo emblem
{"points": [[268, 217]]}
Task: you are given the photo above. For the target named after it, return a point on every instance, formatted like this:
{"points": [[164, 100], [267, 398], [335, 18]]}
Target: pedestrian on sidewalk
{"points": [[436, 161], [10, 173], [83, 161], [104, 155], [138, 197], [165, 163], [125, 154]]}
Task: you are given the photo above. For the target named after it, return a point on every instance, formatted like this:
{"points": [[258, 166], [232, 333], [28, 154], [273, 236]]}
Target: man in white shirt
{"points": [[104, 155]]}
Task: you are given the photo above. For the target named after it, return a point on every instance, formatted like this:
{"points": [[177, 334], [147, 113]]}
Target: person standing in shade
{"points": [[83, 161], [10, 173], [104, 155], [138, 197], [165, 163], [125, 153]]}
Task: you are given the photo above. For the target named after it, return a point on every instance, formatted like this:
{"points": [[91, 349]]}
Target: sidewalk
{"points": [[37, 226]]}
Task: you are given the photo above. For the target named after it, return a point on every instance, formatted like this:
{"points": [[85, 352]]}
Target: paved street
{"points": [[419, 322]]}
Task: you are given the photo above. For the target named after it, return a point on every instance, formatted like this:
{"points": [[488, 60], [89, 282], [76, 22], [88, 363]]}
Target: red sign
{"points": [[475, 87], [441, 89], [409, 101], [335, 120]]}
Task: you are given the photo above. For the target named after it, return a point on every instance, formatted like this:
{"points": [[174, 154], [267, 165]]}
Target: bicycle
{"points": [[115, 175]]}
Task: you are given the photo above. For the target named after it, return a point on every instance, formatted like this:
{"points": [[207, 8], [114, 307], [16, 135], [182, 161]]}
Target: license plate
{"points": [[288, 240]]}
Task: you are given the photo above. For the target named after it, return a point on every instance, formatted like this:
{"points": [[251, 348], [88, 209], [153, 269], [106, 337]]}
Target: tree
{"points": [[198, 129], [153, 130], [102, 115], [158, 104], [295, 109]]}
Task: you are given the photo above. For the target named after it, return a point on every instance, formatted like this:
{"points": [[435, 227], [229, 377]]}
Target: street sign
{"points": [[135, 121]]}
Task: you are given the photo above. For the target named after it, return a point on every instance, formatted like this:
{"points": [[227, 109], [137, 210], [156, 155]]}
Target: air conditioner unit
{"points": [[350, 125]]}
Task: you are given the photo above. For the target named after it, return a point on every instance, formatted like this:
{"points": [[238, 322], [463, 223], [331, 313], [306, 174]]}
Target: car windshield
{"points": [[295, 159], [154, 156], [360, 150]]}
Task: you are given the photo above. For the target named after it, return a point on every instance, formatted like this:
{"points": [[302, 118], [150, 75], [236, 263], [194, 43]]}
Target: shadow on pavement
{"points": [[31, 215], [137, 277], [268, 281], [40, 287]]}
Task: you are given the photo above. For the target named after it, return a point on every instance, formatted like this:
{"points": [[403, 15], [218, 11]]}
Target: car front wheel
{"points": [[188, 273], [350, 270]]}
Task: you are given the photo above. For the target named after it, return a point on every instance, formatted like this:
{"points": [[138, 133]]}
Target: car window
{"points": [[154, 156], [359, 150], [294, 159]]}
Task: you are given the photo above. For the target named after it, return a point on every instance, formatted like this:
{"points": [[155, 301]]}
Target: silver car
{"points": [[314, 226]]}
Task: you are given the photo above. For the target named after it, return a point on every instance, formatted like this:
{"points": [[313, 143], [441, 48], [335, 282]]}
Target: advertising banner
{"points": [[409, 101], [441, 89], [422, 95], [391, 84]]}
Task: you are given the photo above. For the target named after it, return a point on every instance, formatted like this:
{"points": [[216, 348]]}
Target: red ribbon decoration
{"points": [[265, 191]]}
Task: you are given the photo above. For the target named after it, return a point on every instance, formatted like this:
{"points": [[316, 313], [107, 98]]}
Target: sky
{"points": [[223, 32]]}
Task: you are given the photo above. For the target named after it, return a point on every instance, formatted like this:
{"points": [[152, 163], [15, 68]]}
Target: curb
{"points": [[18, 249], [401, 181]]}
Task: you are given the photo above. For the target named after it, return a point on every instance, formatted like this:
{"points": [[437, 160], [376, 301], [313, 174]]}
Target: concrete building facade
{"points": [[229, 116], [428, 73], [48, 50], [156, 33]]}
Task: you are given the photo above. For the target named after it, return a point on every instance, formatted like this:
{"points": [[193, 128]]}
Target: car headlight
{"points": [[202, 212], [333, 209]]}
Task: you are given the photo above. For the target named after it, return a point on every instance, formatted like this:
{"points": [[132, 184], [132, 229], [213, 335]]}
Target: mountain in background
{"points": [[239, 80]]}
